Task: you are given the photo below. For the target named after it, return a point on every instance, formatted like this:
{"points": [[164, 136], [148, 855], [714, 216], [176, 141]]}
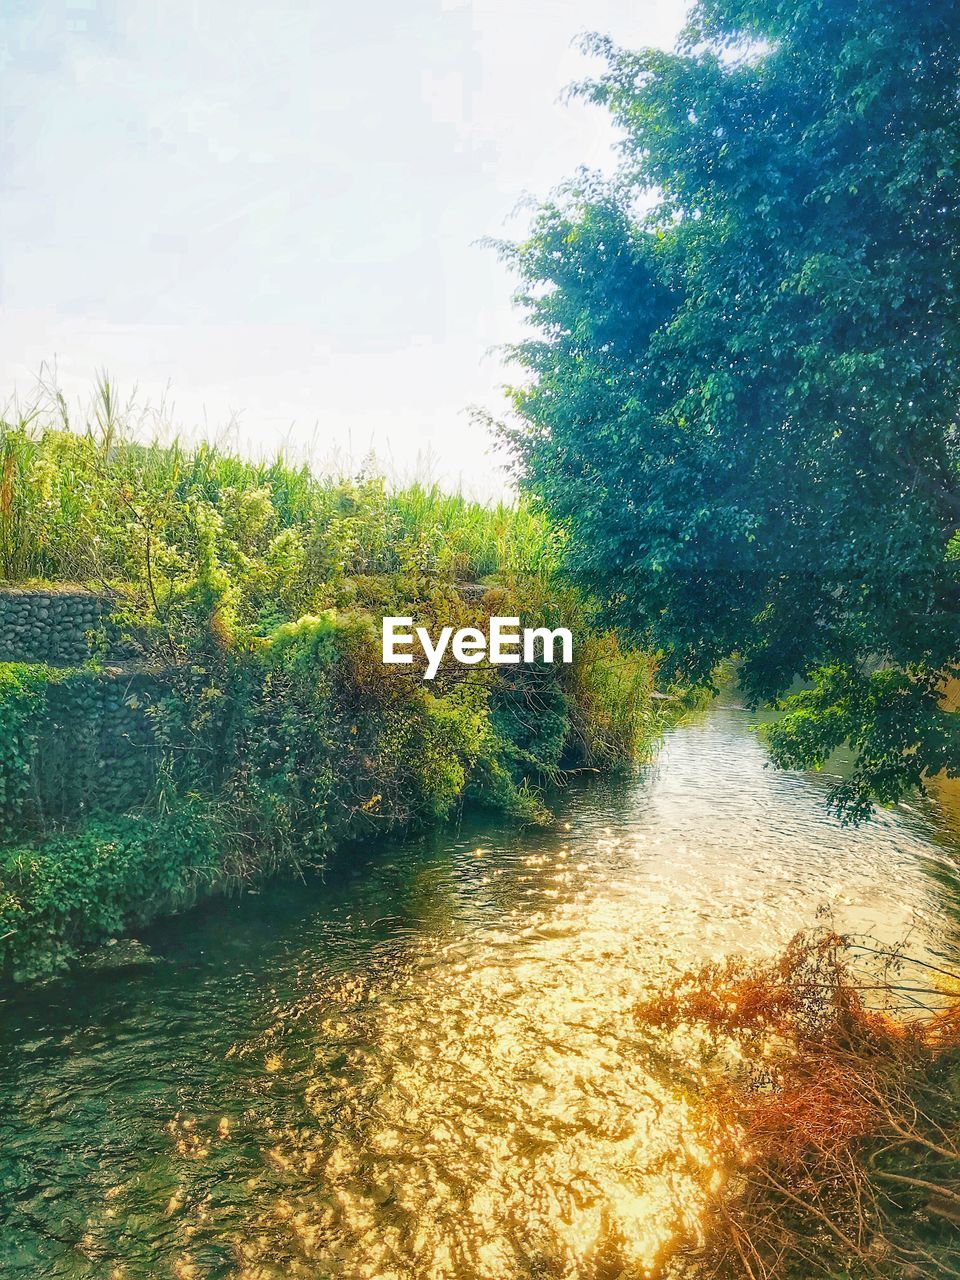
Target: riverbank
{"points": [[210, 706]]}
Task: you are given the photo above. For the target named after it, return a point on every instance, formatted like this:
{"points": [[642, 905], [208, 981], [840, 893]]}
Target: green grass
{"points": [[93, 503]]}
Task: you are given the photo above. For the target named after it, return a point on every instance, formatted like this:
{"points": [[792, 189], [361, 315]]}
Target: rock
{"points": [[127, 953]]}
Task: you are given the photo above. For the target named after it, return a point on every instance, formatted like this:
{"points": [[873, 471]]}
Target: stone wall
{"points": [[50, 625], [94, 746], [86, 742], [74, 741]]}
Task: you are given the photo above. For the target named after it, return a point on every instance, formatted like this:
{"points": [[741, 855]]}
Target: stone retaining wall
{"points": [[50, 625], [94, 746]]}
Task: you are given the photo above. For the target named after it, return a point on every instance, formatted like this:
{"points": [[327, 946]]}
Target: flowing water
{"points": [[425, 1064]]}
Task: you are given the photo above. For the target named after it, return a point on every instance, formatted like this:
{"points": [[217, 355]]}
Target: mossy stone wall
{"points": [[77, 741], [94, 747]]}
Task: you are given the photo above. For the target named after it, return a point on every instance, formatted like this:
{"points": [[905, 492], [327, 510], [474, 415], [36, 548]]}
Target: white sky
{"points": [[271, 207]]}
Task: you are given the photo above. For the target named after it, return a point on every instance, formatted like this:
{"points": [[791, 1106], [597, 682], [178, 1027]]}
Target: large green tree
{"points": [[741, 394]]}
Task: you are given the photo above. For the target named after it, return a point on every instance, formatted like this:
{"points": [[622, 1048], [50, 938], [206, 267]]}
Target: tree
{"points": [[741, 395]]}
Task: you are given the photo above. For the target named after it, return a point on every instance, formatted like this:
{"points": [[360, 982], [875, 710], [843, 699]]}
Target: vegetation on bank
{"points": [[235, 715], [831, 1107], [740, 394]]}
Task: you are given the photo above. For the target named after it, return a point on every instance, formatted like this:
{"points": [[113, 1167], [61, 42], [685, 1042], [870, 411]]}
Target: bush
{"points": [[832, 1119], [72, 892]]}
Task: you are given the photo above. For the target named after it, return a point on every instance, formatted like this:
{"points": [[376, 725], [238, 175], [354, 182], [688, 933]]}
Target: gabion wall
{"points": [[45, 625], [95, 746], [91, 740]]}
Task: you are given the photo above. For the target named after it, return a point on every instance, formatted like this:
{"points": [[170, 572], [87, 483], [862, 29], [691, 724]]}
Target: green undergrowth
{"points": [[257, 728], [73, 891]]}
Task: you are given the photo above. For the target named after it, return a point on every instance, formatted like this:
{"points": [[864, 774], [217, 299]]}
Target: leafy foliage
{"points": [[741, 398], [23, 691], [75, 890]]}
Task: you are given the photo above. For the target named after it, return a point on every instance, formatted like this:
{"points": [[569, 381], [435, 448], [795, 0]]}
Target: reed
{"points": [[93, 501]]}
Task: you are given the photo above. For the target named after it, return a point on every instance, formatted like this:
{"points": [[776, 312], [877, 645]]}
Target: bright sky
{"points": [[269, 209]]}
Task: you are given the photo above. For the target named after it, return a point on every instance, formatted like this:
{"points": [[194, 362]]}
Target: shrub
{"points": [[833, 1118], [74, 891]]}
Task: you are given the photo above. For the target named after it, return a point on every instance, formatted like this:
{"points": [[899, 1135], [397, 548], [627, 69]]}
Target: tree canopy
{"points": [[740, 396]]}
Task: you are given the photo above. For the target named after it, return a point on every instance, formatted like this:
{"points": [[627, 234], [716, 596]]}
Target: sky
{"points": [[266, 216]]}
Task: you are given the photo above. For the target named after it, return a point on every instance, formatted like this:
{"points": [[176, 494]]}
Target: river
{"points": [[424, 1065]]}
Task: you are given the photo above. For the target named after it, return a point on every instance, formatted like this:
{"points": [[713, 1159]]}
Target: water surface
{"points": [[425, 1064]]}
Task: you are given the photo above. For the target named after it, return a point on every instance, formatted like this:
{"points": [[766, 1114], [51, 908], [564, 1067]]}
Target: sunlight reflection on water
{"points": [[495, 1112], [430, 1069]]}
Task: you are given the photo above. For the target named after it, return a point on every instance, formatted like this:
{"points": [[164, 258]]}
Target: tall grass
{"points": [[92, 502]]}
